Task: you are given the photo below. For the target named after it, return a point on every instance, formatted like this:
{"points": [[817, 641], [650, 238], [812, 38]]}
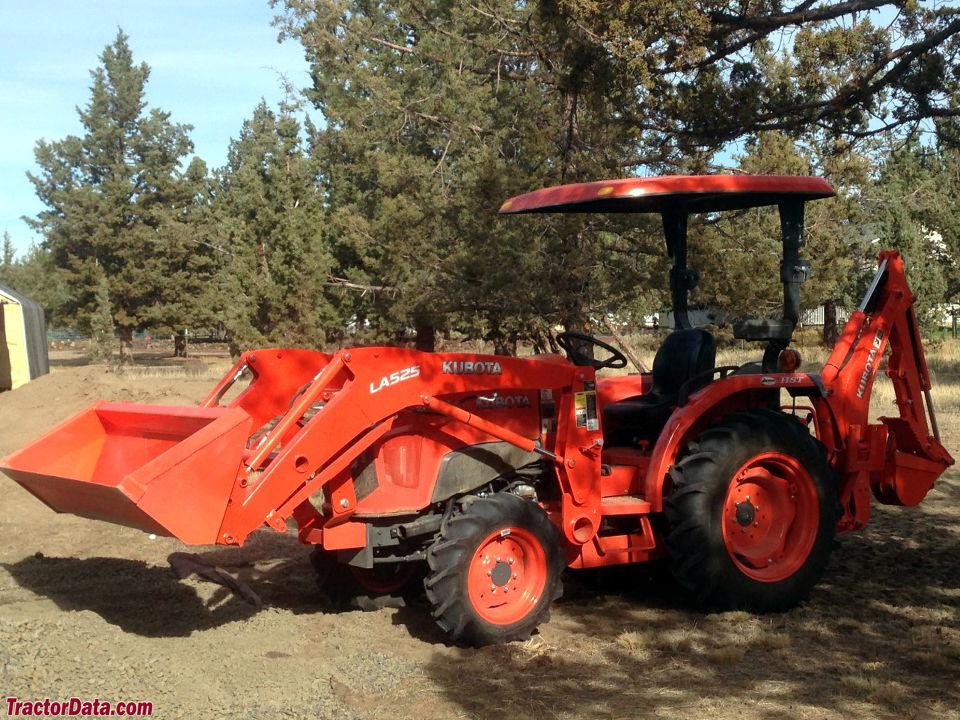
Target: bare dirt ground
{"points": [[92, 610]]}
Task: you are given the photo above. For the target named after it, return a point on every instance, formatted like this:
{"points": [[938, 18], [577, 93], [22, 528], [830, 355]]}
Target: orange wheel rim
{"points": [[507, 576], [771, 515]]}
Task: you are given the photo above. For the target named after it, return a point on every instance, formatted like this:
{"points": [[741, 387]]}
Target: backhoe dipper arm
{"points": [[898, 459]]}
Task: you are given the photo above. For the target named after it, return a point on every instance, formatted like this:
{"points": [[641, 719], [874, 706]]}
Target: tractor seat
{"points": [[682, 355]]}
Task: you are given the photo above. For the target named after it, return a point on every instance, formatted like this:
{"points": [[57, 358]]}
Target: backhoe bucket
{"points": [[164, 469]]}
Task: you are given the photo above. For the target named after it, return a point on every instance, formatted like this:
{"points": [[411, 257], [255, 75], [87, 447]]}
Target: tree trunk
{"points": [[830, 331], [627, 350], [234, 347], [539, 344], [126, 345], [426, 337], [180, 344], [583, 349], [503, 345]]}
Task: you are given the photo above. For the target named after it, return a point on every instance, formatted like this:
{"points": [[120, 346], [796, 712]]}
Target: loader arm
{"points": [[358, 392], [899, 458], [216, 473]]}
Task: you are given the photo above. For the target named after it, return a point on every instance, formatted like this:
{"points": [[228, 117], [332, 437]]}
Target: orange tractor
{"points": [[487, 476]]}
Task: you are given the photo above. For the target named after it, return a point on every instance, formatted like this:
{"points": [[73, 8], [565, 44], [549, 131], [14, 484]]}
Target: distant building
{"points": [[814, 316], [23, 340]]}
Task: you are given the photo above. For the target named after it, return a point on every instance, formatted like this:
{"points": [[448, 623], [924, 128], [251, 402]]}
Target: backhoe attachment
{"points": [[901, 457]]}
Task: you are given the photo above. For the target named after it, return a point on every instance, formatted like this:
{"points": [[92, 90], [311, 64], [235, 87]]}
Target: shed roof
{"points": [[10, 295]]}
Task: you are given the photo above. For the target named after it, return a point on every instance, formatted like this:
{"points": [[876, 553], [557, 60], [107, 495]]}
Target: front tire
{"points": [[382, 586], [495, 567], [753, 513]]}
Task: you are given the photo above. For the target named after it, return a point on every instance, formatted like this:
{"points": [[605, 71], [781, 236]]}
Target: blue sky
{"points": [[211, 62]]}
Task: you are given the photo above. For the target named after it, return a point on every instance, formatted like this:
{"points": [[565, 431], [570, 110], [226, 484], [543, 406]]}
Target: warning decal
{"points": [[585, 406]]}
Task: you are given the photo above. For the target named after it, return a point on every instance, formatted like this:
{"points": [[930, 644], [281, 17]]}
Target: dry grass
{"points": [[198, 370], [876, 689]]}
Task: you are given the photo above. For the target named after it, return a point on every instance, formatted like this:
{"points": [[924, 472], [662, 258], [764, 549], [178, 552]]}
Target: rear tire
{"points": [[753, 513], [495, 567]]}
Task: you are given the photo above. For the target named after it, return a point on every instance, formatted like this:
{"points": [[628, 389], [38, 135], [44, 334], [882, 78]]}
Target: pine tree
{"points": [[8, 268], [119, 205], [8, 252], [913, 207], [275, 264], [437, 111], [101, 325], [35, 276], [434, 116]]}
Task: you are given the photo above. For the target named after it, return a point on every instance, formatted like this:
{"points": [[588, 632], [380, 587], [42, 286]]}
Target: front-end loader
{"points": [[487, 476]]}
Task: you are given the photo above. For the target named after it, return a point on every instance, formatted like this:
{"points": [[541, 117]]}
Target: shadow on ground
{"points": [[140, 359], [149, 600], [75, 361], [880, 637]]}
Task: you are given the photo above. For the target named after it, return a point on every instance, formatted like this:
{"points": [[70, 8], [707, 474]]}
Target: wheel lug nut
{"points": [[756, 524], [512, 561]]}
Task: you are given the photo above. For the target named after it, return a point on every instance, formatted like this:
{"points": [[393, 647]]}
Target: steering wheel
{"points": [[577, 356]]}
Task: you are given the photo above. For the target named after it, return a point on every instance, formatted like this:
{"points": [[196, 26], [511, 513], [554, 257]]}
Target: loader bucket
{"points": [[163, 469]]}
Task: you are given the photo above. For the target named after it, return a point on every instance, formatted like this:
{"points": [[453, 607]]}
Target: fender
{"points": [[708, 404]]}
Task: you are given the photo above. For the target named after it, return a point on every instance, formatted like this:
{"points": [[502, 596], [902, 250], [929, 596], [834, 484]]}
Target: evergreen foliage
{"points": [[8, 268], [436, 111], [269, 219], [914, 208], [101, 325], [6, 261], [119, 205], [379, 224]]}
